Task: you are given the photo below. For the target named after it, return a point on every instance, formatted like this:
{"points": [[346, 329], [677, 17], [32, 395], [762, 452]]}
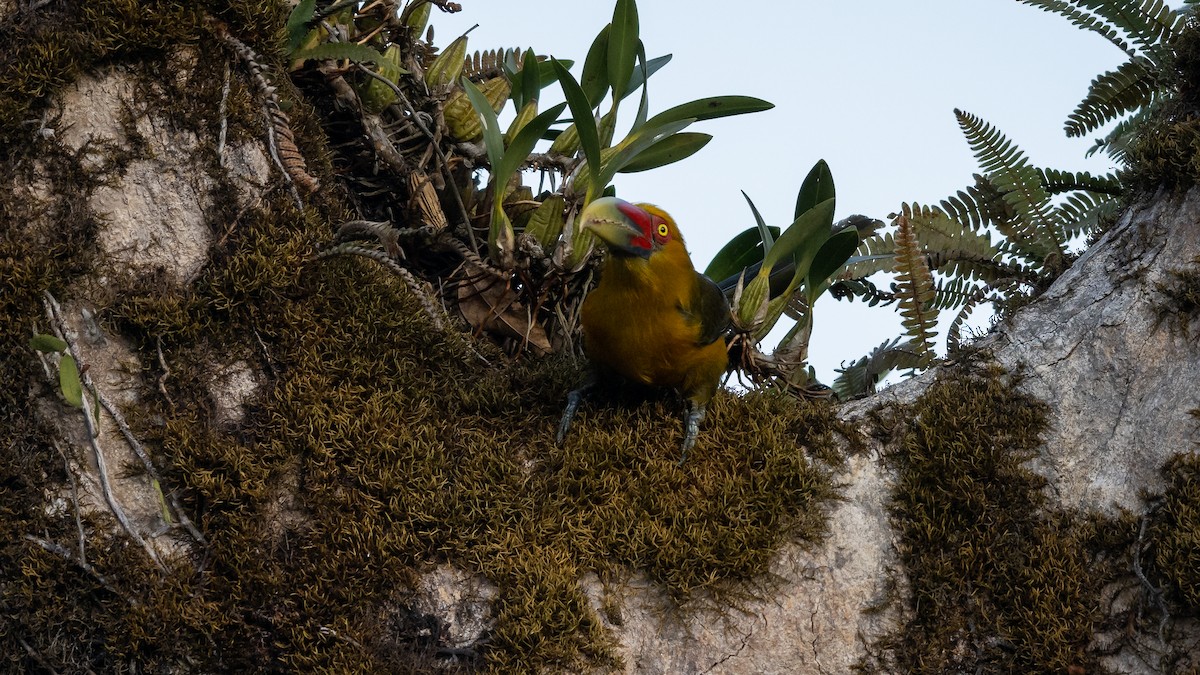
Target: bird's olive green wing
{"points": [[710, 308]]}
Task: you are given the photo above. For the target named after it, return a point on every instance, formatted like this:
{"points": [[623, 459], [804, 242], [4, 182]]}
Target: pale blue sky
{"points": [[868, 86]]}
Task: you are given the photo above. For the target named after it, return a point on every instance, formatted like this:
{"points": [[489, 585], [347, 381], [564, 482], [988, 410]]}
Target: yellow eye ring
{"points": [[663, 230]]}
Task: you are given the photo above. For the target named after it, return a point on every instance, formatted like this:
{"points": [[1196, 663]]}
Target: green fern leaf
{"points": [[1033, 228], [1060, 182], [978, 206], [1113, 94], [1083, 212], [1150, 24], [874, 254], [1084, 20], [860, 377], [914, 287]]}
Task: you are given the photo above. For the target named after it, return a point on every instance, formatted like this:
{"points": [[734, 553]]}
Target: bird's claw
{"points": [[691, 428], [573, 399]]}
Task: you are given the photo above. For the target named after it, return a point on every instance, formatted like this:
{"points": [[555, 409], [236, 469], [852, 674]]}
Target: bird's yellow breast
{"points": [[635, 324]]}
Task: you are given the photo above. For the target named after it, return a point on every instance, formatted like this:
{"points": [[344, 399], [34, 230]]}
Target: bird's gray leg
{"points": [[691, 427], [573, 400]]}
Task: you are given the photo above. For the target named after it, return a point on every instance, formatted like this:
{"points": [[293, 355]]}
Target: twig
{"points": [[74, 503], [33, 654], [54, 313], [223, 111], [64, 553], [280, 140], [266, 354], [140, 451], [1155, 592], [166, 372], [386, 260]]}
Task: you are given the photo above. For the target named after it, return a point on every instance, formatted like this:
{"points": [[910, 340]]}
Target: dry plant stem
{"points": [[223, 111], [475, 261], [74, 503], [33, 654], [437, 149], [54, 313], [162, 379], [62, 552], [140, 451], [1155, 593], [274, 148], [386, 260]]}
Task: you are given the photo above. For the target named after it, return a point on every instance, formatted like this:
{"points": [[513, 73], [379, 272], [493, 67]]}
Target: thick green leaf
{"points": [[816, 188], [668, 150], [644, 102], [741, 252], [47, 343], [531, 84], [418, 18], [633, 145], [69, 382], [522, 145], [830, 258], [801, 241], [640, 75], [768, 238], [710, 108], [581, 111], [297, 23], [594, 80], [546, 223], [622, 45], [493, 138], [546, 73], [338, 51]]}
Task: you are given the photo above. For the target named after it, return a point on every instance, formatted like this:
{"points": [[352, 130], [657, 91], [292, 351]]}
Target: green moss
{"points": [[1174, 534], [1181, 296], [999, 582], [1166, 152], [48, 49], [378, 445]]}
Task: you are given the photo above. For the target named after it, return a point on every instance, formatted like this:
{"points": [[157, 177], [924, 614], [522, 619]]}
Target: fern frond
{"points": [[861, 288], [1082, 212], [486, 64], [1083, 20], [914, 287], [939, 233], [1114, 94], [1117, 142], [953, 292], [979, 206], [874, 254], [1060, 182], [1033, 228], [1150, 24], [859, 378]]}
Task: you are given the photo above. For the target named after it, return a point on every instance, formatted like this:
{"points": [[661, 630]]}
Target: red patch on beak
{"points": [[644, 222]]}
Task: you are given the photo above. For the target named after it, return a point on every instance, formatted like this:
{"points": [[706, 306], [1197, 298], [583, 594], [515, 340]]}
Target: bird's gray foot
{"points": [[691, 427], [573, 399]]}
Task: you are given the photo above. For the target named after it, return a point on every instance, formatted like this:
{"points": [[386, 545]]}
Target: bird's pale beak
{"points": [[616, 223]]}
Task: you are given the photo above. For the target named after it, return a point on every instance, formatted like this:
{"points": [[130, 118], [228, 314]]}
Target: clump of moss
{"points": [[49, 48], [395, 446], [1174, 533], [998, 584], [1166, 152], [1181, 295]]}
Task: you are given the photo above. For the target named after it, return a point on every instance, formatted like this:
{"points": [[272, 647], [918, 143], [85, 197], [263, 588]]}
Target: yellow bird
{"points": [[653, 318]]}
